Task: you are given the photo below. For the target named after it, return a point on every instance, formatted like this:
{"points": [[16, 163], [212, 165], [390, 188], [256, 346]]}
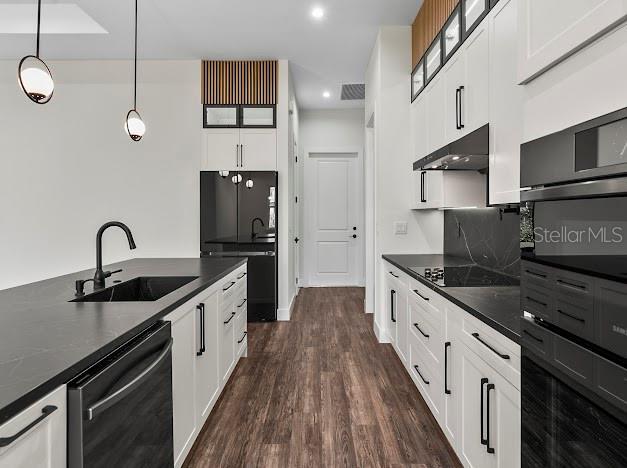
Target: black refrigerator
{"points": [[239, 218]]}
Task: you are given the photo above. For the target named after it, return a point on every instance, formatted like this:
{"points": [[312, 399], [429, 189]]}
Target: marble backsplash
{"points": [[481, 236]]}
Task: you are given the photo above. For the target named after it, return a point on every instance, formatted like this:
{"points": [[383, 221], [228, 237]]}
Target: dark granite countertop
{"points": [[45, 340], [496, 306]]}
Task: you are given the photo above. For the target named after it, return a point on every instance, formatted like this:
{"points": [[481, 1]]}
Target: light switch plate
{"points": [[400, 228]]}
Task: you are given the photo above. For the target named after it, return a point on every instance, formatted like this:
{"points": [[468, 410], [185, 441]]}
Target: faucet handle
{"points": [[109, 273]]}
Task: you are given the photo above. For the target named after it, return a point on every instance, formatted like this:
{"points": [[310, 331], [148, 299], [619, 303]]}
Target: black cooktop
{"points": [[464, 276]]}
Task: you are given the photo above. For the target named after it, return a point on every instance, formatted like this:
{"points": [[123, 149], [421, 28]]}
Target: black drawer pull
{"points": [[392, 273], [423, 379], [230, 318], [242, 304], [446, 346], [229, 286], [503, 356], [243, 336], [392, 305], [45, 412], [421, 332], [543, 304], [241, 276], [539, 340], [571, 316], [201, 309], [572, 285], [533, 273], [423, 297]]}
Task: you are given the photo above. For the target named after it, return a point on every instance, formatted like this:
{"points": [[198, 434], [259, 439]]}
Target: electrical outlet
{"points": [[400, 228]]}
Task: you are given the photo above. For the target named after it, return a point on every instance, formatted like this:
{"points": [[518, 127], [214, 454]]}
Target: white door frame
{"points": [[308, 224]]}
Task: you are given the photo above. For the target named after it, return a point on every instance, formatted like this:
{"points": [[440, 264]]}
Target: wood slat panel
{"points": [[239, 82], [429, 20]]}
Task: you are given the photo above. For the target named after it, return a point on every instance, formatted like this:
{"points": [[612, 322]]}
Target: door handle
{"points": [[461, 111], [237, 155], [243, 336], [502, 356], [483, 382], [228, 287], [421, 332], [242, 304], [201, 314], [423, 198], [392, 296], [45, 412], [488, 448], [457, 92], [423, 379], [446, 346], [425, 298], [241, 155], [118, 395], [230, 318]]}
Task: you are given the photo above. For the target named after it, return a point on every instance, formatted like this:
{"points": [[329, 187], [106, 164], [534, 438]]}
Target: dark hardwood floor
{"points": [[320, 391]]}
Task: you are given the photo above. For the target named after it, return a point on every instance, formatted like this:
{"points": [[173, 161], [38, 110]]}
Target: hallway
{"points": [[320, 391]]}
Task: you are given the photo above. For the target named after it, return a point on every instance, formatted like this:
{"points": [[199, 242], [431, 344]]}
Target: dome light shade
{"points": [[135, 126], [236, 179], [223, 174], [249, 184], [35, 79]]}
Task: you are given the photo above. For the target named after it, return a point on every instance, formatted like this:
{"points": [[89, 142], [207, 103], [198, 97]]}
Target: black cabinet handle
{"points": [[539, 340], [487, 396], [392, 305], [421, 332], [241, 276], [230, 318], [423, 198], [446, 346], [393, 274], [503, 356], [423, 297], [543, 304], [533, 273], [461, 112], [45, 412], [418, 371], [242, 304], [241, 157], [229, 286], [201, 309], [243, 336], [571, 316], [237, 155], [457, 93], [571, 285], [483, 382]]}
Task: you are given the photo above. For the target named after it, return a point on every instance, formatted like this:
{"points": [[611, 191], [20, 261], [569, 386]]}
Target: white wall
{"points": [[388, 102], [68, 166], [328, 129]]}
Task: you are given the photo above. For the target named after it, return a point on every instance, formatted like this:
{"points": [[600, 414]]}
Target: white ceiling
{"points": [[323, 54]]}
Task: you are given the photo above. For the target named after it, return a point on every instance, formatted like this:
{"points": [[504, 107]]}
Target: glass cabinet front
{"points": [[452, 34], [258, 116], [417, 80], [474, 11], [220, 116], [434, 58]]}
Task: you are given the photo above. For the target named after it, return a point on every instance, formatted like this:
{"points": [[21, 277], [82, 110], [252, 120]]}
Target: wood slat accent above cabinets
{"points": [[232, 82], [429, 20]]}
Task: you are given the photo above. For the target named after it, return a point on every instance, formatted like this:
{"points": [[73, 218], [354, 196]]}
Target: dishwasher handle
{"points": [[112, 399]]}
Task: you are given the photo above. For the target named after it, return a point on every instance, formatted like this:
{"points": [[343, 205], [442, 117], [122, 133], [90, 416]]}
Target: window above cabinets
{"points": [[239, 116]]}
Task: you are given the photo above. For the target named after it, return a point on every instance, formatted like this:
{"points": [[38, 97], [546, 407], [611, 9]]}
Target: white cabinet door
{"points": [[258, 149], [452, 369], [221, 150], [207, 374], [226, 328], [455, 74], [402, 324], [506, 102], [186, 343], [475, 95], [391, 299], [434, 184], [504, 401], [419, 127], [549, 31], [44, 445], [435, 95]]}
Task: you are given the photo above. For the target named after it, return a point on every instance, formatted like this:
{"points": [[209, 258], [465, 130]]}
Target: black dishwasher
{"points": [[120, 409]]}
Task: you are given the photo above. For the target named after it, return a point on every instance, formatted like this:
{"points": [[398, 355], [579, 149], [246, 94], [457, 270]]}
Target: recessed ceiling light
{"points": [[317, 13], [326, 95]]}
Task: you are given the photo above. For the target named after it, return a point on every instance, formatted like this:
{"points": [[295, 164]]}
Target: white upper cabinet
{"points": [[418, 117], [435, 96], [455, 78], [506, 99], [549, 31], [239, 149], [474, 97]]}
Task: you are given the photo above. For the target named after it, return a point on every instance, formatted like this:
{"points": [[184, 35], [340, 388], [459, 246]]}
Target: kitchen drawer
{"points": [[574, 316], [423, 330], [394, 272], [427, 378], [533, 273], [241, 333], [536, 338], [227, 311], [430, 301], [229, 288], [537, 300], [610, 381], [501, 353], [610, 316]]}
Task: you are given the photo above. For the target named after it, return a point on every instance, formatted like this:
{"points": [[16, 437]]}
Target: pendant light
{"points": [[249, 183], [33, 74], [134, 124], [223, 174]]}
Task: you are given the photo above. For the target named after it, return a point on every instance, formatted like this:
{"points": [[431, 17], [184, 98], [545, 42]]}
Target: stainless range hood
{"points": [[469, 153]]}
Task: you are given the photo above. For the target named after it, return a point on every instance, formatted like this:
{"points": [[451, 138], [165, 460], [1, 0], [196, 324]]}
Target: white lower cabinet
{"points": [[203, 357], [43, 444], [472, 390]]}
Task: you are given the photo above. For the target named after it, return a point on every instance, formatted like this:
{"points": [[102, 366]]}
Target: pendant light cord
{"points": [[38, 26], [135, 87]]}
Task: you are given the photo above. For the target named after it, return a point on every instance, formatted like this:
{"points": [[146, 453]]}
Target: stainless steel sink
{"points": [[143, 288]]}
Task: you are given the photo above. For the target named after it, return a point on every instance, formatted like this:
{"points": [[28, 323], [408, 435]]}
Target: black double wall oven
{"points": [[574, 296]]}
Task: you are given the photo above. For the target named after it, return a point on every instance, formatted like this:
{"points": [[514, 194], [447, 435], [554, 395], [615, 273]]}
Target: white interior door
{"points": [[334, 218]]}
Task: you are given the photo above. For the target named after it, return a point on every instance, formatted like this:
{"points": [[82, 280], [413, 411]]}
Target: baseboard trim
{"points": [[380, 333], [284, 314]]}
